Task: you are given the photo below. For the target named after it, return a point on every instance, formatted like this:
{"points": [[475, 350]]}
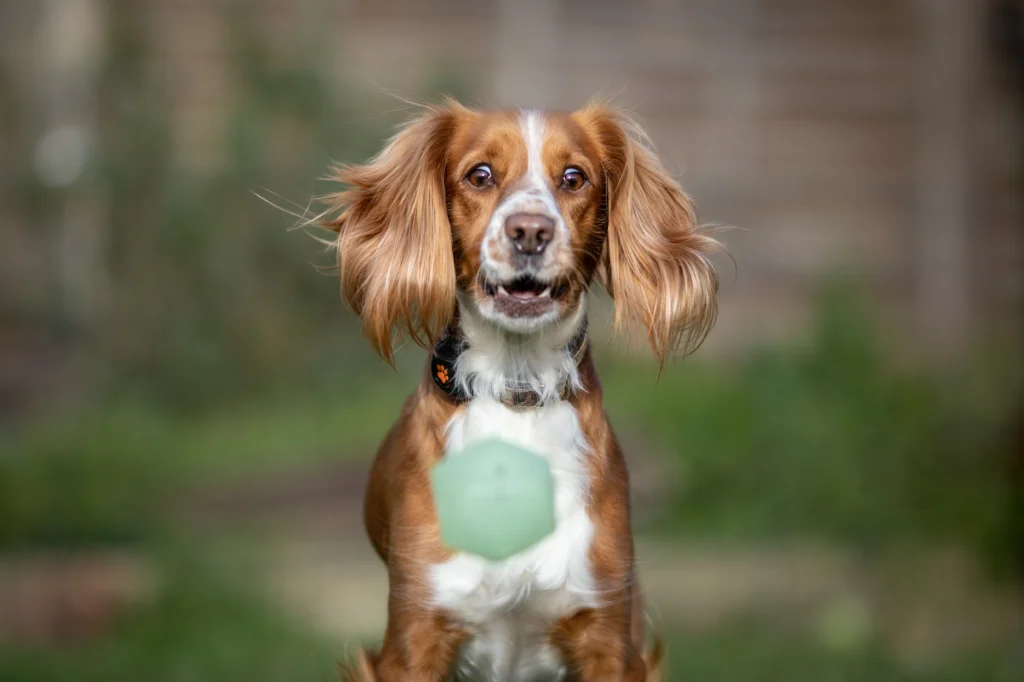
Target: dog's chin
{"points": [[524, 305]]}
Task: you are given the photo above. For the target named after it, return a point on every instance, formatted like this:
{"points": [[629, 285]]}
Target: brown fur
{"points": [[421, 643], [394, 243], [655, 265], [409, 235]]}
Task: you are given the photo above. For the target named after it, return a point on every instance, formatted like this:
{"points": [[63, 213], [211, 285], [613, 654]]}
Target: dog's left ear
{"points": [[394, 238], [655, 264]]}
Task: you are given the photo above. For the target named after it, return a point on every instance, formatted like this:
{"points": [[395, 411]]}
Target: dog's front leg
{"points": [[598, 646], [421, 641], [419, 646], [605, 642]]}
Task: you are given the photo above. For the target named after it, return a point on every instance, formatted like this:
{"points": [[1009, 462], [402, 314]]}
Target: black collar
{"points": [[515, 394]]}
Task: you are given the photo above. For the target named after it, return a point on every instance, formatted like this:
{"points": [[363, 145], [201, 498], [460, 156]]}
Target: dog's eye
{"points": [[573, 179], [480, 176]]}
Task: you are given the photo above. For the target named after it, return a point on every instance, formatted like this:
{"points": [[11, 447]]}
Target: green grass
{"points": [[103, 475], [206, 625], [201, 627], [745, 655]]}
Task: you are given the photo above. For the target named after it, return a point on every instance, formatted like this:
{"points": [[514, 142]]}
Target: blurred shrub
{"points": [[214, 297], [112, 473], [831, 438], [209, 295], [91, 482]]}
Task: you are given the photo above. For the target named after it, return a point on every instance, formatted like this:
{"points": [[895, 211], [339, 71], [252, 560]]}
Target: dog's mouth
{"points": [[526, 288], [525, 296]]}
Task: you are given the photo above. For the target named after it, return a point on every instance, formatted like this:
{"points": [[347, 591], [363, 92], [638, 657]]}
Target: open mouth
{"points": [[525, 289]]}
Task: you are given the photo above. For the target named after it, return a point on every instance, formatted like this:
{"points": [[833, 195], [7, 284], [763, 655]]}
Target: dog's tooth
{"points": [[546, 293], [502, 290]]}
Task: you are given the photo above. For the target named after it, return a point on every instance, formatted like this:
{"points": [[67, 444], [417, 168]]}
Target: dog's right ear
{"points": [[394, 238]]}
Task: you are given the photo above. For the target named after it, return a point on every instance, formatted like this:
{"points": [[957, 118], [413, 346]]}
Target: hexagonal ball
{"points": [[493, 499]]}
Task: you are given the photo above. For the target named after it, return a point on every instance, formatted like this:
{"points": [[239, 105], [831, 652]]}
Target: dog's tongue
{"points": [[525, 294]]}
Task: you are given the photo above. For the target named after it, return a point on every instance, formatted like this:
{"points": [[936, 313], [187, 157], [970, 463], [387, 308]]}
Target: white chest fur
{"points": [[509, 606]]}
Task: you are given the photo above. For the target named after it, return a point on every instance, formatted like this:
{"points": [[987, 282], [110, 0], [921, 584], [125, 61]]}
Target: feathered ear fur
{"points": [[394, 238], [655, 263]]}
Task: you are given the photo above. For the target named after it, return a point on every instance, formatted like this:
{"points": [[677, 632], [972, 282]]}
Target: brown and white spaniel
{"points": [[479, 235]]}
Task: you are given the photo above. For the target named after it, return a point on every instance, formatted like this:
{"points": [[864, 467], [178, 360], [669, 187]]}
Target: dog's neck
{"points": [[479, 359]]}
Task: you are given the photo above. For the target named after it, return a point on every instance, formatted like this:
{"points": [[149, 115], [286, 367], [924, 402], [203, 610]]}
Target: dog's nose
{"points": [[529, 232]]}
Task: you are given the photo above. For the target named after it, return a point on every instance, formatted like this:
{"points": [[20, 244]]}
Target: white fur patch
{"points": [[509, 606], [532, 125], [533, 194], [496, 356]]}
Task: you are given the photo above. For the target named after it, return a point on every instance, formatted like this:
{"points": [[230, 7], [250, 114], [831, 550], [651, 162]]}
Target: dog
{"points": [[478, 235]]}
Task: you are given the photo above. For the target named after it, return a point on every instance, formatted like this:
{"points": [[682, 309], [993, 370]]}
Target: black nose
{"points": [[529, 232]]}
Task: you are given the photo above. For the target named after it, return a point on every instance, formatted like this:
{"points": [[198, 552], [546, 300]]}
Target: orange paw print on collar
{"points": [[442, 373]]}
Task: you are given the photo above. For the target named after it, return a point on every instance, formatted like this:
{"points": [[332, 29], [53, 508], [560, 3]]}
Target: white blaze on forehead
{"points": [[529, 193], [535, 193], [532, 124]]}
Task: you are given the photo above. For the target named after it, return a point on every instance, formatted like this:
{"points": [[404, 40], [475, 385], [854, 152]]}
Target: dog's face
{"points": [[526, 198], [514, 213]]}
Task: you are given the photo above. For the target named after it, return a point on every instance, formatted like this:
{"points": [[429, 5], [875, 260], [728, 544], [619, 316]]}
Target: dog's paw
{"points": [[654, 658], [359, 669]]}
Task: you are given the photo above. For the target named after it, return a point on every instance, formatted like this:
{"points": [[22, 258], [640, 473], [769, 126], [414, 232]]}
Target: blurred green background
{"points": [[830, 489]]}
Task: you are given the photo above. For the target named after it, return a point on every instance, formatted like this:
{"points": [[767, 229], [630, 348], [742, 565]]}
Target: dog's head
{"points": [[513, 214]]}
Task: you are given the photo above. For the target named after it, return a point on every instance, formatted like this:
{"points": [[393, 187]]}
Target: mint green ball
{"points": [[493, 499]]}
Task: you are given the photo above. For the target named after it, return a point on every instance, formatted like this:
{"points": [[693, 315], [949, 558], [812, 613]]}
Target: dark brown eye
{"points": [[480, 176], [573, 179]]}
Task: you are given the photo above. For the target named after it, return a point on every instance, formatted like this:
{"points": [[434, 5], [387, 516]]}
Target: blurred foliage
{"points": [[108, 475], [832, 438], [211, 297], [758, 655], [201, 626], [222, 300]]}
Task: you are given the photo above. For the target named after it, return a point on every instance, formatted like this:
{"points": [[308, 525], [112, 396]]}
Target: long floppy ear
{"points": [[394, 238], [655, 263]]}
